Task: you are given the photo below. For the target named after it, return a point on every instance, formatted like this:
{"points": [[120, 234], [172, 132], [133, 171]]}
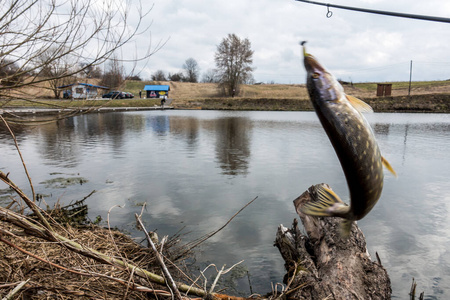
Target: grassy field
{"points": [[182, 91], [425, 96]]}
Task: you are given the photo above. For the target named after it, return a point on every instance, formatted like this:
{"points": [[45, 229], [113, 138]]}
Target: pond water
{"points": [[196, 169]]}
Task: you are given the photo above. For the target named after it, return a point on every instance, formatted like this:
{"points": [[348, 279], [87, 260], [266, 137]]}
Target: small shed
{"points": [[81, 90], [157, 91], [384, 89]]}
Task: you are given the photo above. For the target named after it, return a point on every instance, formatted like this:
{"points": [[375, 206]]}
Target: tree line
{"points": [[38, 49], [233, 59]]}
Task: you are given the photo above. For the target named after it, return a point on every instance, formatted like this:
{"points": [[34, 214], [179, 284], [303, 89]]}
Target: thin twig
{"points": [[209, 235], [11, 294], [216, 279], [171, 283], [181, 271], [290, 280], [21, 157], [222, 272], [128, 285], [2, 286], [27, 200], [203, 273], [109, 227]]}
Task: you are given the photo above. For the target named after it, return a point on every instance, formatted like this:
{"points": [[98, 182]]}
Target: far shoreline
{"points": [[429, 103]]}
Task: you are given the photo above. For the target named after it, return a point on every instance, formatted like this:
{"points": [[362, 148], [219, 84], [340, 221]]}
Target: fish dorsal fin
{"points": [[388, 166], [359, 105]]}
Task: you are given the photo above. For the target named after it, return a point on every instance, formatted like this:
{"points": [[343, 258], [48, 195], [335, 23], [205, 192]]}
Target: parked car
{"points": [[67, 94], [114, 95], [128, 95]]}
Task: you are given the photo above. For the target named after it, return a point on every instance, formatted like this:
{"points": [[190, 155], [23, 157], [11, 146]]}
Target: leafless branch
{"points": [[44, 43], [209, 235], [170, 282]]}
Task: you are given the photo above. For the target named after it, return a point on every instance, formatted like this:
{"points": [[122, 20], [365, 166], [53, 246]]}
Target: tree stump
{"points": [[322, 265]]}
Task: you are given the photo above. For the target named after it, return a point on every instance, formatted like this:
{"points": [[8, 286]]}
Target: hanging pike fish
{"points": [[354, 143]]}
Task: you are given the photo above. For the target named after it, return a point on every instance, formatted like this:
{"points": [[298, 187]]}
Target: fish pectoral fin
{"points": [[358, 104], [327, 204], [388, 166]]}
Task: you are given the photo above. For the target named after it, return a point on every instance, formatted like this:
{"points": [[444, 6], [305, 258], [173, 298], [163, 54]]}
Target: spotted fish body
{"points": [[354, 143]]}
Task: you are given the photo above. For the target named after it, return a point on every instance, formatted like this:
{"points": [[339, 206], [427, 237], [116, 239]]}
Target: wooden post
{"points": [[323, 265]]}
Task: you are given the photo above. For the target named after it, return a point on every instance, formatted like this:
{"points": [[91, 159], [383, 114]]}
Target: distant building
{"points": [[81, 90], [384, 89], [157, 91]]}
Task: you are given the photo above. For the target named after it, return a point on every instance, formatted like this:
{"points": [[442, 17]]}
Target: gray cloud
{"points": [[354, 46]]}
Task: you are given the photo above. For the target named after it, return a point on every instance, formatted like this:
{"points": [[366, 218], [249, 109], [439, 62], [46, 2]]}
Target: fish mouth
{"points": [[319, 80], [311, 63]]}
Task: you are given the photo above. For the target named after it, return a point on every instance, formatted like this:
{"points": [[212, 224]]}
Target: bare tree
{"points": [[35, 35], [9, 73], [114, 77], [60, 72], [233, 60], [91, 71], [192, 70], [176, 77], [159, 75], [210, 76]]}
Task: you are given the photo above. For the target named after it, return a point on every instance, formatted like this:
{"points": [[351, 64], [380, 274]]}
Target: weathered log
{"points": [[323, 265]]}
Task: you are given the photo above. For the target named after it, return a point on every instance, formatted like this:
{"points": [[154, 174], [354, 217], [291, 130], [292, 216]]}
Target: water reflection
{"points": [[233, 145], [56, 143], [159, 124], [186, 129], [197, 168], [381, 129]]}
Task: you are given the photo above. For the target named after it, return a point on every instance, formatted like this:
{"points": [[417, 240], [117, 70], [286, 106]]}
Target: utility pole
{"points": [[410, 77]]}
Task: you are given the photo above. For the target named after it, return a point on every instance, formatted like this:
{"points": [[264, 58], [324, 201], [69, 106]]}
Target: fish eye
{"points": [[315, 75]]}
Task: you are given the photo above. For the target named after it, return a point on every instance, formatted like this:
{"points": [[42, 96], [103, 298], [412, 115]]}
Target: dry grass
{"points": [[55, 270], [183, 92], [47, 281], [189, 91]]}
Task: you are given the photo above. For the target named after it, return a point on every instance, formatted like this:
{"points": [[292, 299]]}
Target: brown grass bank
{"points": [[431, 96], [432, 103]]}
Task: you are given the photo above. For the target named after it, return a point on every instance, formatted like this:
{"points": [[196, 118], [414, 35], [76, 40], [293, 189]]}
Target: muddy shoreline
{"points": [[432, 103], [429, 103]]}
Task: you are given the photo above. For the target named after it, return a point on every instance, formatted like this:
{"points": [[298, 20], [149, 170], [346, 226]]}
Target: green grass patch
{"points": [[134, 86]]}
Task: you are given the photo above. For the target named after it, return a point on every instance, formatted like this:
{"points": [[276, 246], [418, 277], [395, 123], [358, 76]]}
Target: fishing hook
{"points": [[329, 12]]}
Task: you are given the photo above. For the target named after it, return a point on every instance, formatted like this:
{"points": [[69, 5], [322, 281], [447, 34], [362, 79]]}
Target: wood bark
{"points": [[323, 265]]}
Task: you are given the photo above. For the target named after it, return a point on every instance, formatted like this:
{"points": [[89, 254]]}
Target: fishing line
{"points": [[379, 12]]}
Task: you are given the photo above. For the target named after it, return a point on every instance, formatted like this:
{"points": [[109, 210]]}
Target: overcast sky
{"points": [[354, 46]]}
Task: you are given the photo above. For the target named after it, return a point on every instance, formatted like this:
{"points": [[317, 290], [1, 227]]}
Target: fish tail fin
{"points": [[345, 228], [327, 204], [388, 166]]}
